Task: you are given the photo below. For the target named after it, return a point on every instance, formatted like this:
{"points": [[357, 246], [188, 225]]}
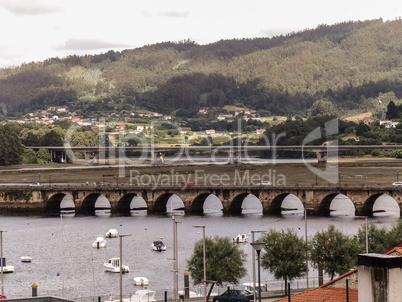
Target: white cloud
{"points": [[90, 44], [35, 30], [31, 7]]}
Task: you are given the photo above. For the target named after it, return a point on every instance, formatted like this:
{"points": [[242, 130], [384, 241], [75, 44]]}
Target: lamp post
{"points": [[258, 245], [204, 259], [367, 243], [305, 234], [121, 263], [176, 263], [1, 248], [253, 259]]}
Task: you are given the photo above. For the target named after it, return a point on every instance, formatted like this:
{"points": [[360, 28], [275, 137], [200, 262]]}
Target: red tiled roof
{"points": [[397, 249], [319, 294], [340, 277]]}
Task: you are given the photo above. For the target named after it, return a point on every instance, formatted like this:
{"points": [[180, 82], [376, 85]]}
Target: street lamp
{"points": [[253, 258], [121, 263], [176, 263], [258, 245], [204, 258], [305, 234], [365, 217], [1, 243]]}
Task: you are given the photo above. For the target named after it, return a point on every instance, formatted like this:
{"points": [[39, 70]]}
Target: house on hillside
{"points": [[377, 278], [388, 123]]}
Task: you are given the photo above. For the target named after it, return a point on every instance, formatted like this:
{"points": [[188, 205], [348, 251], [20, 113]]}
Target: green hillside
{"points": [[346, 67]]}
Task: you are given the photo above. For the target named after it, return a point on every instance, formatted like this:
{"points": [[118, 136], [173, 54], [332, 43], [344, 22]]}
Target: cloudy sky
{"points": [[34, 30]]}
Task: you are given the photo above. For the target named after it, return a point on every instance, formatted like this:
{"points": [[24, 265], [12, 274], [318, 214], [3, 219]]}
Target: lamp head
{"points": [[258, 245]]}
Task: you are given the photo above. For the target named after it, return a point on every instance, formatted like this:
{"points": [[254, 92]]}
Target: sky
{"points": [[34, 30]]}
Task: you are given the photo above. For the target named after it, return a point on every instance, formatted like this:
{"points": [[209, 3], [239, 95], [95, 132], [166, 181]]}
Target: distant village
{"points": [[52, 114]]}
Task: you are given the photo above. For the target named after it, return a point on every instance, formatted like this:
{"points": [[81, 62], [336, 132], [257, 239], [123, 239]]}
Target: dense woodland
{"points": [[334, 69]]}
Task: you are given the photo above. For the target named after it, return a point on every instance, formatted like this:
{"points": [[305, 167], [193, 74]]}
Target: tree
{"points": [[224, 261], [333, 251], [43, 156], [322, 107], [30, 156], [378, 239], [285, 254], [54, 137], [11, 148]]}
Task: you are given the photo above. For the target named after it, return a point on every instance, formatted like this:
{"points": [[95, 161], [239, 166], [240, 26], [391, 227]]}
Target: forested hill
{"points": [[346, 66]]}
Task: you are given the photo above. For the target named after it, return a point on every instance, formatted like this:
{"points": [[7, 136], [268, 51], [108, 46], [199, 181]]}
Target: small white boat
{"points": [[249, 286], [7, 268], [112, 233], [141, 281], [143, 295], [26, 259], [240, 238], [113, 265], [158, 246], [99, 242]]}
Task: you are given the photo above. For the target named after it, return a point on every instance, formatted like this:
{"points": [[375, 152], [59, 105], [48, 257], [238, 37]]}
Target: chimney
{"points": [[380, 278]]}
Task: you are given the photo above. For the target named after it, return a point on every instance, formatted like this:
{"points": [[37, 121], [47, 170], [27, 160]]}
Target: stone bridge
{"points": [[317, 199]]}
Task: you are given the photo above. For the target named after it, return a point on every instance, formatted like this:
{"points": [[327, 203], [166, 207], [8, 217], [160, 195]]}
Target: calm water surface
{"points": [[64, 263]]}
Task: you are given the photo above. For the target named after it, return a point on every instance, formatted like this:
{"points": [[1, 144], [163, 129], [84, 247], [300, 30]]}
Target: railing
{"points": [[273, 286]]}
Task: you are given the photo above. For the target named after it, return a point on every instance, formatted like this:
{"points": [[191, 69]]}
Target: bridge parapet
{"points": [[313, 196]]}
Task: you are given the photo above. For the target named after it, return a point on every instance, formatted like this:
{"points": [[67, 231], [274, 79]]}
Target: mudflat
{"points": [[353, 171]]}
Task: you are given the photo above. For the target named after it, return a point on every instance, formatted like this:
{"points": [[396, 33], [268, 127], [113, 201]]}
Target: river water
{"points": [[65, 264]]}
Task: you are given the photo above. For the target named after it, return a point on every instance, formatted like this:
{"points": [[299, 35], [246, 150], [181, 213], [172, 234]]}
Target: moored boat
{"points": [[142, 295], [112, 233], [250, 287], [158, 246], [7, 268], [240, 238], [141, 281], [26, 259], [99, 242], [113, 266]]}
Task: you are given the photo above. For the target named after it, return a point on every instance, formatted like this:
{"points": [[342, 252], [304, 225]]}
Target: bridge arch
{"points": [[370, 209], [53, 204], [197, 207], [89, 204], [324, 208], [337, 204], [236, 206], [138, 205], [124, 204], [275, 208], [166, 200], [202, 200]]}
